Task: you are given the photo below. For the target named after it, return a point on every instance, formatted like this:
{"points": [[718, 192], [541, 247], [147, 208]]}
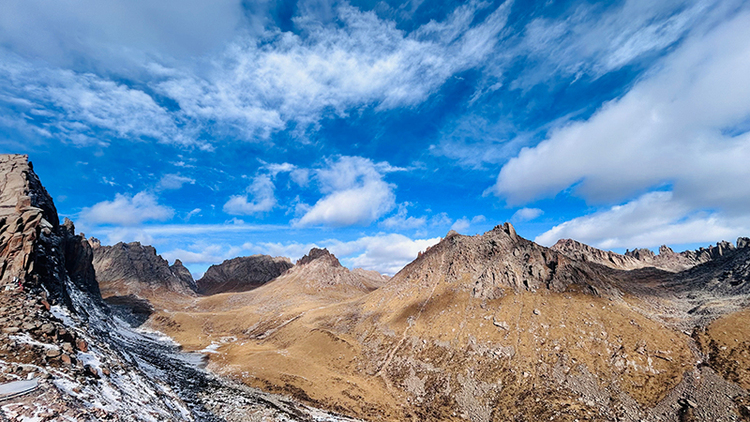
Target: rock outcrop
{"points": [[52, 314], [666, 259], [36, 251], [320, 269], [132, 268], [242, 274], [586, 253], [500, 261]]}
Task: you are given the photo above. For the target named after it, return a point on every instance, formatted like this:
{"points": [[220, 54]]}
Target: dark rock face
{"points": [[183, 274], [242, 274], [36, 250], [131, 268]]}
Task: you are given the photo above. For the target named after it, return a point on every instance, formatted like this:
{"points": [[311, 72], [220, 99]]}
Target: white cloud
{"points": [[440, 219], [591, 41], [264, 198], [174, 181], [127, 210], [677, 127], [526, 214], [463, 223], [258, 86], [301, 177], [355, 194], [203, 253], [402, 221], [275, 168], [385, 253], [653, 219], [82, 107], [292, 250], [192, 213]]}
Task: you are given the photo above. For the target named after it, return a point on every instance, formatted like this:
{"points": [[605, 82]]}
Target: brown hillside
{"points": [[480, 328]]}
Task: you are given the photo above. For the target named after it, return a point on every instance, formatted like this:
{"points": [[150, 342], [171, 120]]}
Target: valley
{"points": [[491, 327]]}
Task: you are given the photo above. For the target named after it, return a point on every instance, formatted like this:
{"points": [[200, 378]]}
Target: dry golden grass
{"points": [[410, 351], [726, 341]]}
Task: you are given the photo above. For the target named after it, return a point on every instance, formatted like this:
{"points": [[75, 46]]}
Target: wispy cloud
{"points": [[402, 221], [259, 86], [84, 108], [174, 181], [590, 40], [463, 224]]}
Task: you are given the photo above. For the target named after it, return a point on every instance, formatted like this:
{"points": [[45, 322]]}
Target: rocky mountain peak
{"points": [[133, 268], [94, 242], [667, 259], [319, 254], [496, 262], [665, 250], [242, 274], [586, 253], [320, 270]]}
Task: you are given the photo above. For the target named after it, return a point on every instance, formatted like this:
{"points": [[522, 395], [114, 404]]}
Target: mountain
{"points": [[321, 270], [318, 280], [487, 328], [242, 274], [666, 259], [132, 268], [63, 356], [586, 253]]}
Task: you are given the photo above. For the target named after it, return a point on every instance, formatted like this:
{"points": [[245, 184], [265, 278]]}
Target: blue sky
{"points": [[226, 128]]}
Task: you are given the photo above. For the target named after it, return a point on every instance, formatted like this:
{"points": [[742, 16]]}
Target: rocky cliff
{"points": [[586, 253], [132, 268], [666, 259], [242, 274], [52, 315]]}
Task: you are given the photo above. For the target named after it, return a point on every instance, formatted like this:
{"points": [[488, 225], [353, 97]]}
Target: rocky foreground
{"points": [[65, 356]]}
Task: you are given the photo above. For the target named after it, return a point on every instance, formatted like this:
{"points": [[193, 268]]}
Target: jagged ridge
{"points": [[132, 268]]}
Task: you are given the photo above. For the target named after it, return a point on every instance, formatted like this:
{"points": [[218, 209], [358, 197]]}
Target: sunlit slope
{"points": [[478, 328]]}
